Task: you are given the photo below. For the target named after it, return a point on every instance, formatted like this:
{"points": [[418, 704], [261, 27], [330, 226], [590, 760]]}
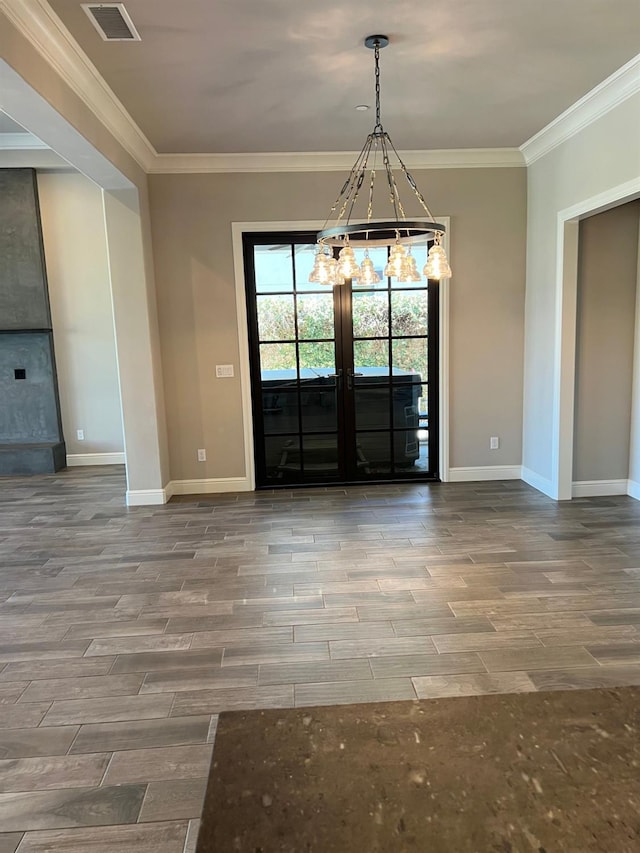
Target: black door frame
{"points": [[343, 326]]}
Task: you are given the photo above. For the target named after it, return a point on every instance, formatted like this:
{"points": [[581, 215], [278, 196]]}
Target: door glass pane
{"points": [[274, 268], [320, 454], [409, 312], [276, 318], [370, 315], [410, 452], [280, 358], [280, 408], [319, 407], [317, 360], [408, 405], [371, 405], [315, 316], [371, 358], [278, 459], [373, 452], [410, 356]]}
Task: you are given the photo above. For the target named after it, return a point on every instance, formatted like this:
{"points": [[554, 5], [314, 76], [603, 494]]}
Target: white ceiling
{"points": [[285, 75]]}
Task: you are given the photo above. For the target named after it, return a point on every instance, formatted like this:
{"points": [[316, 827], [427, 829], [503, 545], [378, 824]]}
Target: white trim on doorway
{"points": [[240, 228], [531, 478], [565, 328], [443, 362], [634, 444]]}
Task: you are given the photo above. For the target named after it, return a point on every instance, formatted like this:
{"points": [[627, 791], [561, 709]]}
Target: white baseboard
{"points": [[151, 497], [633, 489], [147, 497], [211, 486], [77, 459], [540, 483], [484, 472], [598, 488]]}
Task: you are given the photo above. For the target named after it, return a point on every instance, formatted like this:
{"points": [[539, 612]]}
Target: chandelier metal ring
{"points": [[369, 234]]}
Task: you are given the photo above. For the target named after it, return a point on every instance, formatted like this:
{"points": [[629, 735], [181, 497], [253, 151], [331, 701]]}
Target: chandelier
{"points": [[378, 154]]}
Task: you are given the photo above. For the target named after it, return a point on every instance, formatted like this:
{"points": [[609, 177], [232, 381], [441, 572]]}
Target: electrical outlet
{"points": [[80, 434], [494, 443], [202, 455]]}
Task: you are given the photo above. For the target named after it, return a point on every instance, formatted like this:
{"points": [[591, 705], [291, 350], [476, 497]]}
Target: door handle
{"points": [[350, 376]]}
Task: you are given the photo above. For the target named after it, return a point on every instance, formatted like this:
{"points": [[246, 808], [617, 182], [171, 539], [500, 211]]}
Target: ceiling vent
{"points": [[112, 21]]}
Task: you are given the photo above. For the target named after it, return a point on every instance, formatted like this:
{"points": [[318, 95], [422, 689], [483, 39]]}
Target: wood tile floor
{"points": [[124, 632]]}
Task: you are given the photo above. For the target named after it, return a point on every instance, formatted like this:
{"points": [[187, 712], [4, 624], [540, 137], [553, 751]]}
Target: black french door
{"points": [[345, 379]]}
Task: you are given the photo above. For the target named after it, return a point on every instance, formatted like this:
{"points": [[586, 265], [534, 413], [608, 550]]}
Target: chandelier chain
{"points": [[411, 180], [394, 195], [377, 56], [358, 183], [346, 187], [372, 181]]}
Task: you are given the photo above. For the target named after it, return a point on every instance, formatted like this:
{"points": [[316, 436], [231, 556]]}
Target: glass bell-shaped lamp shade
{"points": [[368, 274], [319, 263], [335, 277], [395, 264], [437, 266], [319, 271], [347, 264], [325, 269], [409, 270]]}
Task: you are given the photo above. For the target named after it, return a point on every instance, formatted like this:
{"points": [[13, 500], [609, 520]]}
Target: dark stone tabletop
{"points": [[524, 772]]}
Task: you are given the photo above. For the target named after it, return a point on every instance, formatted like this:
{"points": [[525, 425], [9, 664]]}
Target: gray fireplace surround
{"points": [[31, 440]]}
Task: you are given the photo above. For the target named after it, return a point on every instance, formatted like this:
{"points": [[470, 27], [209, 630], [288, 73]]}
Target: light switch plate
{"points": [[224, 371]]}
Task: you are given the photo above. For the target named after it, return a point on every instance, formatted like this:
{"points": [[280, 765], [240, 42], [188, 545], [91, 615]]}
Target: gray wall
{"points": [[191, 218], [607, 281]]}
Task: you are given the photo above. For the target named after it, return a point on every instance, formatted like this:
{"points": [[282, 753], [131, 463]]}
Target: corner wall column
{"points": [[564, 391], [134, 321]]}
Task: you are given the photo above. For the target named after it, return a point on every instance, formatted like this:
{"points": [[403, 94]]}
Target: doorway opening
{"points": [[344, 380]]}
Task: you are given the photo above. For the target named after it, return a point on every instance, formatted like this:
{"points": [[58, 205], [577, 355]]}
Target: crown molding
{"points": [[20, 142], [332, 161], [44, 30], [621, 85]]}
